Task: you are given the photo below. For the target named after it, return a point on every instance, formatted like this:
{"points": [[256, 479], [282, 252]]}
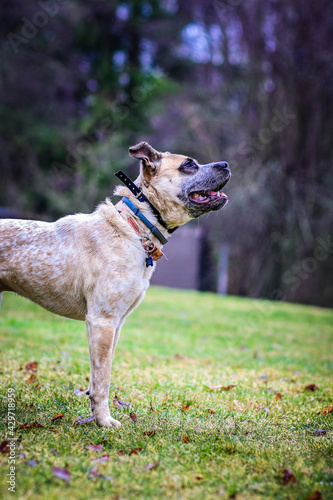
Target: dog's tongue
{"points": [[206, 196]]}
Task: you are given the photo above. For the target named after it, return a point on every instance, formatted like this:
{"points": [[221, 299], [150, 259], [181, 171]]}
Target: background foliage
{"points": [[246, 81]]}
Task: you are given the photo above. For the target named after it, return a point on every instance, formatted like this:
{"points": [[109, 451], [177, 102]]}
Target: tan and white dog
{"points": [[96, 267]]}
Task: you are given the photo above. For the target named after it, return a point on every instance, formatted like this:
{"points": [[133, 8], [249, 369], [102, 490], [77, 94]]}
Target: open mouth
{"points": [[205, 197]]}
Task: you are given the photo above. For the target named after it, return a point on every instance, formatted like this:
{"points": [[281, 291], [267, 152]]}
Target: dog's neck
{"points": [[150, 242]]}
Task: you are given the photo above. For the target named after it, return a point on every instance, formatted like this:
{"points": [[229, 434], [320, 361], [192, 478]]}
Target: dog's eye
{"points": [[189, 167]]}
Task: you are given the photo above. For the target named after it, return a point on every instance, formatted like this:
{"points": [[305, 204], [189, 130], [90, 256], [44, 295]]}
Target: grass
{"points": [[232, 443]]}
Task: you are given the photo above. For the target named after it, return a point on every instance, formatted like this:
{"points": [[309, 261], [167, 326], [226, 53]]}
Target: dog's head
{"points": [[178, 186]]}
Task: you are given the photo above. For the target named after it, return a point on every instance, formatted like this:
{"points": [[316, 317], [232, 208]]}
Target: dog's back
{"points": [[33, 252]]}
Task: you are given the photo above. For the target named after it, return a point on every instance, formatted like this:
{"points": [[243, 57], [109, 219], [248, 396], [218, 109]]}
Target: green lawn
{"points": [[233, 443]]}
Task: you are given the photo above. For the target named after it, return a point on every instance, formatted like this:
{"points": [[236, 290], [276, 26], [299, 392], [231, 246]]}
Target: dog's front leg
{"points": [[101, 333]]}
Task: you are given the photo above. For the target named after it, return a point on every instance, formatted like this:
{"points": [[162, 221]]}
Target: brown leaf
{"points": [[198, 477], [103, 458], [186, 407], [316, 495], [211, 412], [135, 451], [94, 472], [120, 452], [152, 465], [63, 474], [149, 433], [133, 416], [118, 402], [32, 366], [288, 477], [278, 396], [33, 425], [311, 388], [327, 410], [79, 392], [95, 447], [58, 416], [4, 447], [30, 406], [32, 378], [81, 420], [319, 432], [221, 387], [185, 439]]}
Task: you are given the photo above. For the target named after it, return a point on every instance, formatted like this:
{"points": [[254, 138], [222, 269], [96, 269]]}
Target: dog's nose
{"points": [[223, 165]]}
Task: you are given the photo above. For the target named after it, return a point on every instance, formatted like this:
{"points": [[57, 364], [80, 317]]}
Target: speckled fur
{"points": [[91, 267]]}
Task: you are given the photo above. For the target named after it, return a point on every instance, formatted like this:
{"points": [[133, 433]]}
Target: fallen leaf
{"points": [[103, 458], [149, 433], [95, 447], [80, 420], [220, 387], [135, 451], [186, 407], [278, 396], [94, 472], [63, 474], [118, 402], [32, 378], [311, 388], [33, 425], [133, 416], [4, 447], [152, 465], [120, 453], [319, 432], [31, 406], [185, 439], [58, 416], [316, 495], [32, 366], [288, 477], [211, 412], [79, 392], [327, 410], [198, 477]]}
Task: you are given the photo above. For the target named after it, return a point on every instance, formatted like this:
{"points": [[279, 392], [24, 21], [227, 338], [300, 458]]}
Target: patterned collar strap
{"points": [[126, 211], [141, 197]]}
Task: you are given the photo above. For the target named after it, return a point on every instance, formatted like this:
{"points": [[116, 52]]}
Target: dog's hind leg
{"points": [[101, 333]]}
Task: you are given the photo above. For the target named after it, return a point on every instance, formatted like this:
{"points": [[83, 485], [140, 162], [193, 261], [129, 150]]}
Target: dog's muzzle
{"points": [[204, 193]]}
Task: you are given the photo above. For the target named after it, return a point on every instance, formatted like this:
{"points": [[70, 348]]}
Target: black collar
{"points": [[141, 197]]}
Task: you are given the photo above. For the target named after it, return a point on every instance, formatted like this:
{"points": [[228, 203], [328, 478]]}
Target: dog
{"points": [[96, 267]]}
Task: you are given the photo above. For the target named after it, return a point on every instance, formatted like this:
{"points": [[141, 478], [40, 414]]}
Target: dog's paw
{"points": [[108, 421]]}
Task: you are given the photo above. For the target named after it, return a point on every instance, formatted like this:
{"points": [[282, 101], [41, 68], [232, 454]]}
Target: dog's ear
{"points": [[144, 151], [149, 156]]}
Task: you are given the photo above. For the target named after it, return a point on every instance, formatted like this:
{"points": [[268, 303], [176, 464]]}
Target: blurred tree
{"points": [[250, 82]]}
